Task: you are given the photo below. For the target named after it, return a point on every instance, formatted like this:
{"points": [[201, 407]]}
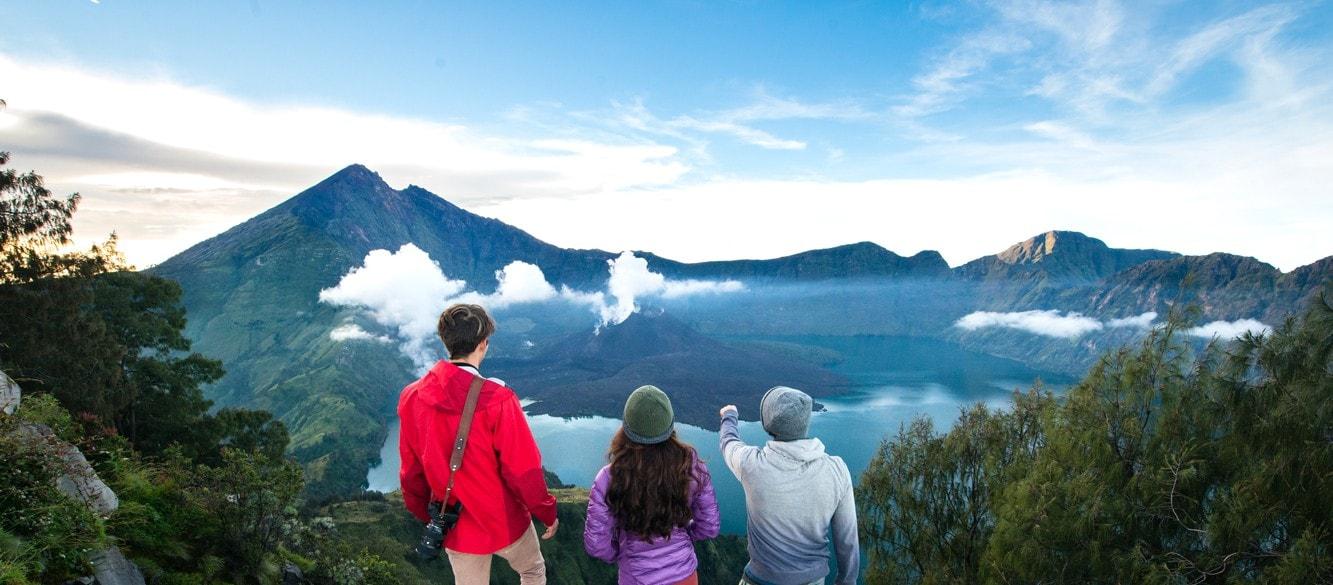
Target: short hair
{"points": [[463, 327]]}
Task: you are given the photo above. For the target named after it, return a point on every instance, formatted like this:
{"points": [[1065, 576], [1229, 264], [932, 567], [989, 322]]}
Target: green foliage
{"points": [[203, 498], [1158, 467], [161, 383], [32, 222], [44, 535], [249, 431], [249, 497], [924, 500], [43, 409], [16, 563], [107, 343]]}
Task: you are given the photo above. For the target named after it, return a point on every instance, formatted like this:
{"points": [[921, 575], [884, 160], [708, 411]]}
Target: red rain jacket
{"points": [[501, 483]]}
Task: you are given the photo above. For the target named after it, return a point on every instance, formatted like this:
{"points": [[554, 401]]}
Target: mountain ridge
{"points": [[1060, 254], [604, 366], [252, 296]]}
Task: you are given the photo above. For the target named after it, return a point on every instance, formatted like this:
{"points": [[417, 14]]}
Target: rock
{"points": [[78, 480], [110, 567], [9, 394], [291, 574]]}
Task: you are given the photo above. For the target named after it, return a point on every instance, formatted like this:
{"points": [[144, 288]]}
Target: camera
{"points": [[442, 519]]}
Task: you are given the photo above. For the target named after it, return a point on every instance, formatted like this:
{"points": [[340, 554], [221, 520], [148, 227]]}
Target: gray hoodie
{"points": [[794, 494]]}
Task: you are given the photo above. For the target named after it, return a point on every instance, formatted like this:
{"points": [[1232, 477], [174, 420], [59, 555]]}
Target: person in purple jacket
{"points": [[653, 500]]}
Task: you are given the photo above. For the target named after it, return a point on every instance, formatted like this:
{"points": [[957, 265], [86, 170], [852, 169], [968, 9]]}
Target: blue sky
{"points": [[961, 127]]}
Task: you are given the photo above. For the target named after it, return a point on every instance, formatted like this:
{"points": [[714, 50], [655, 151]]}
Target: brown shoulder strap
{"points": [[464, 425]]}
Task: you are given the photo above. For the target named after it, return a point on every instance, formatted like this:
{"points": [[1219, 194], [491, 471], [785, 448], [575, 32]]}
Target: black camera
{"points": [[442, 519]]}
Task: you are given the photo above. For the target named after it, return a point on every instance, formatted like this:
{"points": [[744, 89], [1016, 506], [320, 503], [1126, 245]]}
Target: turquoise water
{"points": [[897, 379]]}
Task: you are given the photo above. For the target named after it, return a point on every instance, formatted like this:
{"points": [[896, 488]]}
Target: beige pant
{"points": [[524, 556]]}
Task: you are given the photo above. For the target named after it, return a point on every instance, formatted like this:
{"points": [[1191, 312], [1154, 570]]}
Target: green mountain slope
{"points": [[252, 296]]}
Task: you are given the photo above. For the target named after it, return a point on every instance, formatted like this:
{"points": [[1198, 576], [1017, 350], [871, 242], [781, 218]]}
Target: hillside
{"points": [[252, 297], [593, 373], [1221, 285], [864, 259], [1025, 274]]}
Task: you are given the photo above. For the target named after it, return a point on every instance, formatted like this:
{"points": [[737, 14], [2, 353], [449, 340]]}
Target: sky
{"points": [[695, 130]]}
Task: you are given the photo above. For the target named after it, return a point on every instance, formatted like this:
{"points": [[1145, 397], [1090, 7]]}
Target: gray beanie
{"points": [[786, 413], [648, 416]]}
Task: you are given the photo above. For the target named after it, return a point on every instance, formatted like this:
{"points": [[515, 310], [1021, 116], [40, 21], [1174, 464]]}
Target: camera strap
{"points": [[460, 441]]}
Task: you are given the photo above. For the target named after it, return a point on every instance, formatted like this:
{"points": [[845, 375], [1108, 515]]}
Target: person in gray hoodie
{"points": [[795, 495]]}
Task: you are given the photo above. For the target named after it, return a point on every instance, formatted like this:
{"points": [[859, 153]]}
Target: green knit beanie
{"points": [[648, 416]]}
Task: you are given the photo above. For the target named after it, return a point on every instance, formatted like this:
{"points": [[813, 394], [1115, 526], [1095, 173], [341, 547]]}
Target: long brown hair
{"points": [[650, 485]]}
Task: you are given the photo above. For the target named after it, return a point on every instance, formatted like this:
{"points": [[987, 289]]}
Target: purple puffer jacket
{"points": [[661, 560]]}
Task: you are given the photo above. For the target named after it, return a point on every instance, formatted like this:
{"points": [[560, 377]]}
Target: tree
{"points": [[925, 499], [1159, 467], [106, 342]]}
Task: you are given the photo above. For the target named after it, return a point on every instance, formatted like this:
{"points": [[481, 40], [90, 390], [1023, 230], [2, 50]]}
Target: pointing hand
{"points": [[729, 408]]}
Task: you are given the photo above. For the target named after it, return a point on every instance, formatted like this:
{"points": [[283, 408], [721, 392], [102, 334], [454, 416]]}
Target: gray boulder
{"points": [[78, 479], [9, 394], [110, 567], [291, 574]]}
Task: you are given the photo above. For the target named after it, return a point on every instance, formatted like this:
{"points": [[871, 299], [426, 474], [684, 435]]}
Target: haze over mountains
{"points": [[655, 348], [253, 296]]}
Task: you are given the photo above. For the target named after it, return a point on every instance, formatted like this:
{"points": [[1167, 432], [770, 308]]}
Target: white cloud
{"points": [[406, 290], [1106, 144], [403, 290], [965, 218], [169, 113], [85, 129], [518, 282], [681, 288], [1049, 323], [1228, 329], [1143, 321], [353, 332], [953, 76], [740, 123], [631, 280], [1052, 323]]}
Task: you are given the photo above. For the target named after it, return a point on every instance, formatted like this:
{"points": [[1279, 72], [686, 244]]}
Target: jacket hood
{"points": [[797, 453], [445, 387]]}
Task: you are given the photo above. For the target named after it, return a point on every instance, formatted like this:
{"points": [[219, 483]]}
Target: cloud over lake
{"points": [[405, 291], [1050, 323]]}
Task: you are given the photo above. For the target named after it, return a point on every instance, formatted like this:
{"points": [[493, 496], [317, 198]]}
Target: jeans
{"points": [[524, 556]]}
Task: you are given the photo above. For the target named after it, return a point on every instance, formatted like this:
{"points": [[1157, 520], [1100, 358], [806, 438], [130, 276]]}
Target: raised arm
{"points": [[734, 450]]}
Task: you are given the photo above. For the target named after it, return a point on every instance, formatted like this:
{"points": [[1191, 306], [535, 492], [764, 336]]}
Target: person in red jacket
{"points": [[500, 483]]}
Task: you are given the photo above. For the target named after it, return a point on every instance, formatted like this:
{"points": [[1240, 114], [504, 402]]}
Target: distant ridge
{"points": [[1222, 286], [252, 298], [1062, 255], [861, 259]]}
